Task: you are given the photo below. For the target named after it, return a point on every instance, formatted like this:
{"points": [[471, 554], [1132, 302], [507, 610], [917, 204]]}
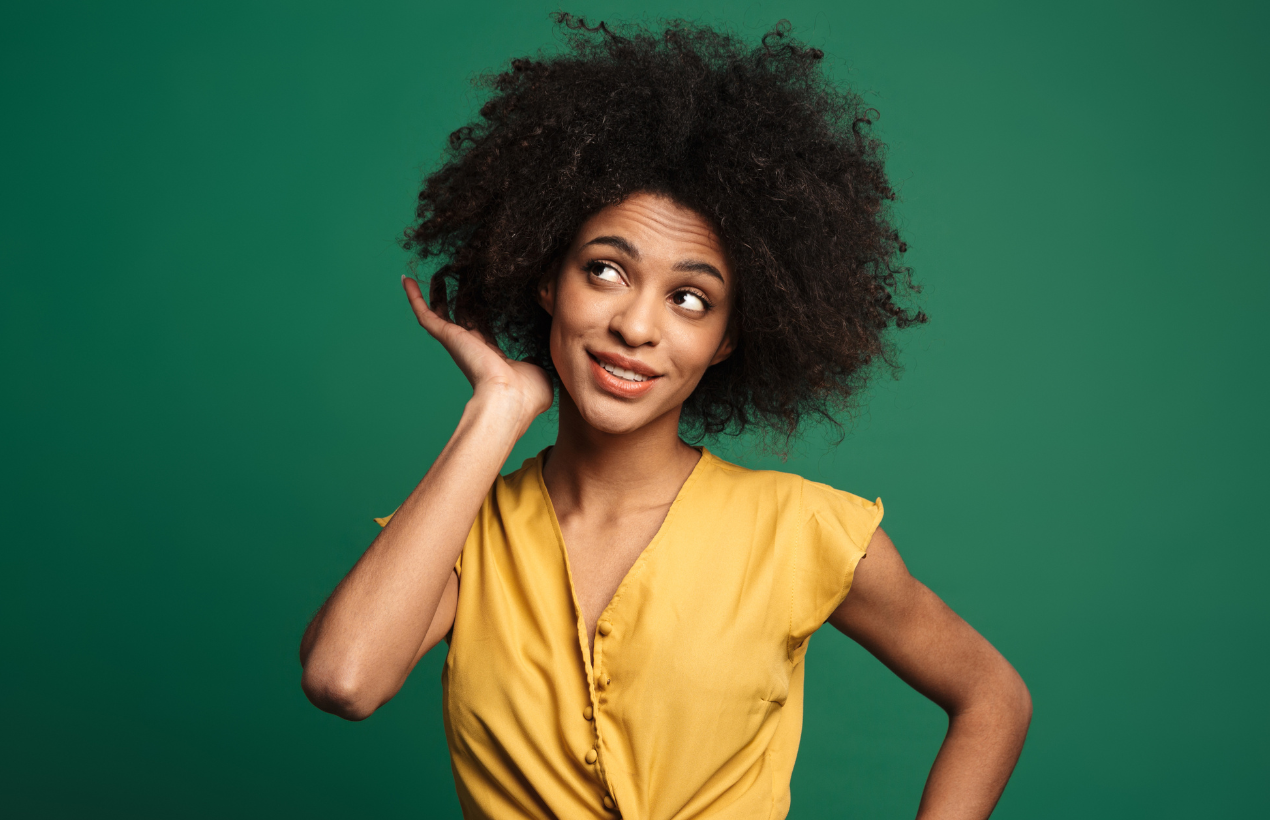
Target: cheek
{"points": [[570, 322], [577, 313], [697, 346]]}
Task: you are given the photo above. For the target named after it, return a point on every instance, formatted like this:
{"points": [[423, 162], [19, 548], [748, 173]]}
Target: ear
{"points": [[725, 347], [546, 294]]}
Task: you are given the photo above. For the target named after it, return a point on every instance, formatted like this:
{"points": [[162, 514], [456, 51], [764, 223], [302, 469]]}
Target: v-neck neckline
{"points": [[584, 638]]}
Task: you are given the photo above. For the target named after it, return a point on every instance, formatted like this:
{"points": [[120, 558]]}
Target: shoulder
{"points": [[517, 493], [822, 498], [814, 497], [734, 477], [839, 517], [508, 492], [523, 478]]}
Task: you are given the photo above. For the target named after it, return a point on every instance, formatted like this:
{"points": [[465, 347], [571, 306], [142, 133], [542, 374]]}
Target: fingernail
{"points": [[403, 279]]}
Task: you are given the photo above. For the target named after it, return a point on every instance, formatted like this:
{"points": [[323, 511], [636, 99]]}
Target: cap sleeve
{"points": [[383, 522], [836, 529]]}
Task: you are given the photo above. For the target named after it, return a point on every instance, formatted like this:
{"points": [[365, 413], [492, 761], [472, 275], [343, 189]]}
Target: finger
{"points": [[486, 341], [444, 331], [428, 318], [491, 344], [450, 335]]}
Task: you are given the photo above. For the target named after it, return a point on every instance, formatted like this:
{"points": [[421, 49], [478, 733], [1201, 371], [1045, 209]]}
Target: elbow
{"points": [[1016, 702], [1000, 700], [343, 695], [1025, 704]]}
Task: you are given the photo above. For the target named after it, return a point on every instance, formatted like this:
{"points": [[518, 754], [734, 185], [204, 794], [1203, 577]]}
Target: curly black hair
{"points": [[756, 140]]}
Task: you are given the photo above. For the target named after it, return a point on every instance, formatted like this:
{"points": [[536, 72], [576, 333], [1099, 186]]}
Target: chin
{"points": [[614, 417]]}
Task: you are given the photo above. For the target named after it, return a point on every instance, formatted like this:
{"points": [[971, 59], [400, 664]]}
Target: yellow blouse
{"points": [[693, 706]]}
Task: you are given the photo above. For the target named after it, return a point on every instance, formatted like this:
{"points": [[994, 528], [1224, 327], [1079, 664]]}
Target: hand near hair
{"points": [[486, 367], [400, 597]]}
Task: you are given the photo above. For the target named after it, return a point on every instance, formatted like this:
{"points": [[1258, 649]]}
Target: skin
{"points": [[646, 285]]}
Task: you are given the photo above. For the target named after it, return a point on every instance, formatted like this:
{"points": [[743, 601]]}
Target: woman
{"points": [[668, 232]]}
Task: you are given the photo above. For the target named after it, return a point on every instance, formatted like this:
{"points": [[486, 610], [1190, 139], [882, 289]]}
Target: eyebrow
{"points": [[699, 267], [616, 242], [688, 265]]}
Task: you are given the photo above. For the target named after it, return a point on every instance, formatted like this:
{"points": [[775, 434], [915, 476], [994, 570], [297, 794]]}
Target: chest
{"points": [[682, 617], [687, 675], [602, 549]]}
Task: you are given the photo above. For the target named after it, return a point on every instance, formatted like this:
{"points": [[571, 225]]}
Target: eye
{"points": [[604, 272], [688, 300]]}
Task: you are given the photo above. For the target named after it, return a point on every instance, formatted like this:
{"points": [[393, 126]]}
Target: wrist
{"points": [[503, 405]]}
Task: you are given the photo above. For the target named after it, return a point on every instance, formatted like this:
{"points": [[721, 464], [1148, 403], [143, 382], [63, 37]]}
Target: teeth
{"points": [[622, 373]]}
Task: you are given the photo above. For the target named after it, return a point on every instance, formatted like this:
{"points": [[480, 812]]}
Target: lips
{"points": [[623, 373], [621, 376]]}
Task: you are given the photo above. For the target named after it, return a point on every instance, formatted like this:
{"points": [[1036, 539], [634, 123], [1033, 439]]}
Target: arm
{"points": [[913, 632], [399, 599]]}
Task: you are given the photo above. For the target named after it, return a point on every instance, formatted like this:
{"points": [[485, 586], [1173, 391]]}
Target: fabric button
{"points": [[608, 802], [588, 713], [591, 755], [605, 627]]}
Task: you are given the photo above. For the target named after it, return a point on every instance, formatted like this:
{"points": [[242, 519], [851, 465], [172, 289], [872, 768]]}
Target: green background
{"points": [[213, 382]]}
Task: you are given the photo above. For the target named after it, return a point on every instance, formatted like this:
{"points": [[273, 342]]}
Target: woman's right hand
{"points": [[399, 598], [489, 370]]}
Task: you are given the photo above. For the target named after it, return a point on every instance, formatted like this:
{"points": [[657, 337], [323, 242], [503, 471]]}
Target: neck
{"points": [[588, 468]]}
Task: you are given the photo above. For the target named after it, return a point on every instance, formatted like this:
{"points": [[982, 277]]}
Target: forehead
{"points": [[659, 228]]}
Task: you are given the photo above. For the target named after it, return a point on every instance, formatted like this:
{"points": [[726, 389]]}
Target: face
{"points": [[639, 311]]}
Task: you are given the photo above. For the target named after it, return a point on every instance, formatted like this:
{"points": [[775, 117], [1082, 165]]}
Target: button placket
{"points": [[604, 630], [593, 657], [592, 652]]}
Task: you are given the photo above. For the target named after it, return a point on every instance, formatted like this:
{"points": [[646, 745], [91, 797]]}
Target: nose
{"points": [[637, 322]]}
